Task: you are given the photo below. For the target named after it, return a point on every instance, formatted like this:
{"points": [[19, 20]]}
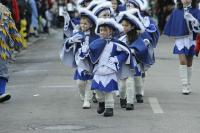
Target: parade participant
{"points": [[138, 8], [73, 45], [117, 5], [106, 54], [103, 10], [134, 30], [184, 21], [10, 39], [142, 5]]}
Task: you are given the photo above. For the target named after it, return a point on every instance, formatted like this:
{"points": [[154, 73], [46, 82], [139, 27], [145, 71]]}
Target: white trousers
{"points": [[106, 97]]}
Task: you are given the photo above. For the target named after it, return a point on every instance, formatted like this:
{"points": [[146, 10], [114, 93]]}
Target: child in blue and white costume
{"points": [[103, 10], [118, 6], [138, 8], [74, 45], [182, 25], [72, 24], [107, 54], [134, 39]]}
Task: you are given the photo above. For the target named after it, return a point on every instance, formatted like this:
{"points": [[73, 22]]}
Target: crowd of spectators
{"points": [[35, 15]]}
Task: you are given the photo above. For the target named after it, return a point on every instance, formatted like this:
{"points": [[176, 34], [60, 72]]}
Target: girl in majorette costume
{"points": [[140, 49], [10, 39], [103, 10], [184, 21], [138, 8], [72, 51], [117, 5], [107, 55], [72, 24]]}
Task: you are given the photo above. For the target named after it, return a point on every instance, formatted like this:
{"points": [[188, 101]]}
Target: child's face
{"points": [[186, 2], [85, 24], [129, 6], [114, 4], [127, 26], [104, 14], [105, 32]]}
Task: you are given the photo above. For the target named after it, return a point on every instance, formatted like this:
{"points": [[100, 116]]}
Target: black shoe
{"points": [[4, 97], [101, 107], [108, 112], [139, 98], [94, 99], [129, 106], [123, 103]]}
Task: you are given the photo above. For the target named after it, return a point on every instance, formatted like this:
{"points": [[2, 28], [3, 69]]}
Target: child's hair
{"points": [[180, 5], [132, 35], [92, 29]]}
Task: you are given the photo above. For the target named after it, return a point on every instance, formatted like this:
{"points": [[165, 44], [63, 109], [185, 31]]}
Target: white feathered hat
{"points": [[175, 1], [94, 3], [107, 5], [87, 13], [110, 22], [142, 4], [133, 19]]}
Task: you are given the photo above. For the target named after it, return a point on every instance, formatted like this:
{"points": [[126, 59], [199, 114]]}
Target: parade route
{"points": [[45, 97]]}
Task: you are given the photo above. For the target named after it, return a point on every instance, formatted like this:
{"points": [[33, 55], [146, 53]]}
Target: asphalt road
{"points": [[45, 97]]}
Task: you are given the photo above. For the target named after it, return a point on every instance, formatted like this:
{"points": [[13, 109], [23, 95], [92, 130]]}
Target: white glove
{"points": [[146, 42], [77, 38], [146, 22], [66, 17], [188, 16], [85, 48], [113, 60]]}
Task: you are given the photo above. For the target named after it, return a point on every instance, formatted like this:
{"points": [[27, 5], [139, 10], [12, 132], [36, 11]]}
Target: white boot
{"points": [[184, 79], [81, 86], [130, 92], [189, 74], [123, 88], [88, 96], [139, 88], [139, 85]]}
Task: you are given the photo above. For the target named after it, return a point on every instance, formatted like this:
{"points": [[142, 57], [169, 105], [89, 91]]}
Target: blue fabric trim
{"points": [[2, 86], [111, 86], [82, 76], [184, 50], [176, 25]]}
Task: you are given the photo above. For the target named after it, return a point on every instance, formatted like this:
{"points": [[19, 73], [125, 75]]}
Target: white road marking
{"points": [[36, 95], [155, 105], [44, 86], [58, 86]]}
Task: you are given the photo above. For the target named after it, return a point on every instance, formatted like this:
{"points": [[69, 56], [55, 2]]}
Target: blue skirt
{"points": [[184, 51], [82, 76], [105, 83]]}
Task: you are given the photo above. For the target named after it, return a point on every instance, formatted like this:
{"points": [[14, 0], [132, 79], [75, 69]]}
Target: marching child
{"points": [[80, 40], [106, 54], [183, 22], [134, 29], [138, 8]]}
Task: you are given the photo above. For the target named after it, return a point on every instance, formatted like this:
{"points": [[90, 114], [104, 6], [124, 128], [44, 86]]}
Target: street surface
{"points": [[45, 97]]}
